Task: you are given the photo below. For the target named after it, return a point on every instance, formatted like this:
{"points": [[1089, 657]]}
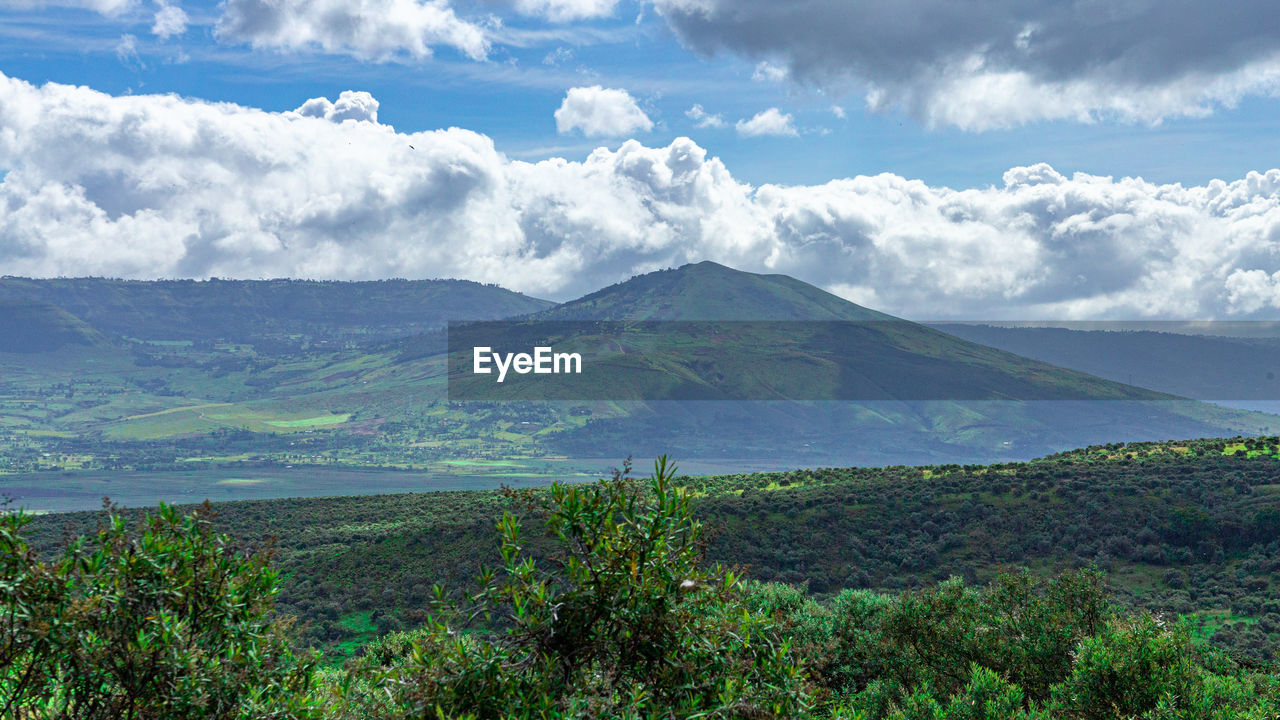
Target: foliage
{"points": [[620, 620], [171, 621], [1180, 529], [612, 613], [1018, 648]]}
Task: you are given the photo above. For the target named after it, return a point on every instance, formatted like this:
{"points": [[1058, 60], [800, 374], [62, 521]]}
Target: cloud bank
{"points": [[981, 64], [161, 186]]}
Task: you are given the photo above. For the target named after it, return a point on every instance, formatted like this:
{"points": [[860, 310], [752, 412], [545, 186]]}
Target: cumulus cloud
{"points": [[170, 21], [702, 118], [1249, 291], [351, 105], [600, 112], [767, 122], [566, 10], [977, 64], [376, 30], [161, 186]]}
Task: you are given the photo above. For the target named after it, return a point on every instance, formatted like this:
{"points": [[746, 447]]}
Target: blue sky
{"points": [[958, 95]]}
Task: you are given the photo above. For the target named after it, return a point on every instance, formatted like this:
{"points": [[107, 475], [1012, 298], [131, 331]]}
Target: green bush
{"points": [[168, 622], [621, 620]]}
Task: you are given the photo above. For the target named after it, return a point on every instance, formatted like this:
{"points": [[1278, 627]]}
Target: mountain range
{"points": [[102, 374]]}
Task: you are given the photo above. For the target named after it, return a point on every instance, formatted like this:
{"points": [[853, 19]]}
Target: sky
{"points": [[973, 159]]}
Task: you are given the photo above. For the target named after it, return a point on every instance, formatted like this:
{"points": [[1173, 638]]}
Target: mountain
{"points": [[711, 332], [786, 375], [29, 326], [795, 372], [270, 314], [710, 291], [1204, 367]]}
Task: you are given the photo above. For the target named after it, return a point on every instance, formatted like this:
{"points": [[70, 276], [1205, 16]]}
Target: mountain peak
{"points": [[710, 291]]}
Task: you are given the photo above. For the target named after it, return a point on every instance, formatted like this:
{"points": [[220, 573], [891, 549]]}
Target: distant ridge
{"points": [[280, 312], [31, 326], [1205, 367]]}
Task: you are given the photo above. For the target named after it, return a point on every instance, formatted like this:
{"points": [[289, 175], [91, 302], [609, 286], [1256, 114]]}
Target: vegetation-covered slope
{"points": [[28, 326], [271, 313], [1205, 367], [709, 291], [1185, 528], [614, 613], [298, 395]]}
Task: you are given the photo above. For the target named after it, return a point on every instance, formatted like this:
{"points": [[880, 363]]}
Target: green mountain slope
{"points": [[28, 326], [780, 339], [1205, 367], [271, 314], [709, 291], [921, 395]]}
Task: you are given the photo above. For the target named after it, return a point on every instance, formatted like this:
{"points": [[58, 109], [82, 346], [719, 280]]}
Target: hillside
{"points": [[911, 393], [271, 314], [710, 291], [744, 336], [1188, 528], [1204, 367], [29, 326]]}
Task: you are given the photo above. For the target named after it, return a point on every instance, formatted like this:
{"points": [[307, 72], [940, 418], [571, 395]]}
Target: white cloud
{"points": [[767, 122], [988, 100], [702, 118], [351, 105], [566, 10], [838, 111], [600, 112], [170, 21], [110, 8], [557, 57], [768, 72], [161, 186], [1249, 291], [106, 7], [377, 30], [980, 65], [127, 48]]}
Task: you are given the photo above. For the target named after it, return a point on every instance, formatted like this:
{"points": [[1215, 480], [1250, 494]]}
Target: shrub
{"points": [[621, 620], [167, 622]]}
